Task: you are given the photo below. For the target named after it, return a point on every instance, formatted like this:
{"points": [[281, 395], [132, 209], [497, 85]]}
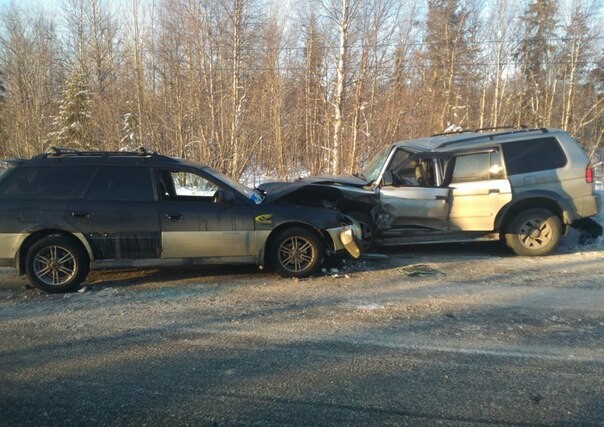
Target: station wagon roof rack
{"points": [[491, 136], [67, 151]]}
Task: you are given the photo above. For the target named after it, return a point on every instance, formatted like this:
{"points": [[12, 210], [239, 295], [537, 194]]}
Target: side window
{"points": [[412, 172], [62, 182], [533, 155], [121, 183], [478, 167], [185, 186]]}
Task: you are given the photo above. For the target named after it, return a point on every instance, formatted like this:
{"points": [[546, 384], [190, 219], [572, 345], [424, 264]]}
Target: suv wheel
{"points": [[534, 232], [296, 252], [55, 264]]}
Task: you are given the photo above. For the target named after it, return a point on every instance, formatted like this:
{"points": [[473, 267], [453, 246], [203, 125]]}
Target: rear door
{"points": [[118, 214], [195, 224], [480, 189], [415, 197]]}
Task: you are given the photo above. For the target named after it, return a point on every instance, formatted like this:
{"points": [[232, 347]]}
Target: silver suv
{"points": [[524, 186]]}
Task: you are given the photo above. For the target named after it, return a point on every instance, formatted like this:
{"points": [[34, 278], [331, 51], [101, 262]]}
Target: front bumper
{"points": [[347, 238]]}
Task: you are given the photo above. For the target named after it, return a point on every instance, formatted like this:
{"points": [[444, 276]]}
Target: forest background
{"points": [[259, 87]]}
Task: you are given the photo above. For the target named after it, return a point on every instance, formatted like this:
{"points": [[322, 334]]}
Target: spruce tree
{"points": [[73, 124], [535, 52], [129, 141]]}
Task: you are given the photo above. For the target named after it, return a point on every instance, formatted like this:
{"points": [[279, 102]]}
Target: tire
{"points": [[56, 264], [367, 228], [296, 252], [534, 232]]}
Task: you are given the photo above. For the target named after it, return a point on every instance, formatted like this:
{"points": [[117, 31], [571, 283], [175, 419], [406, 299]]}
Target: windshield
{"points": [[251, 194], [371, 172]]}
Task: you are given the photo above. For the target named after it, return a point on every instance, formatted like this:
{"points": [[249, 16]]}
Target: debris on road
{"points": [[420, 270]]}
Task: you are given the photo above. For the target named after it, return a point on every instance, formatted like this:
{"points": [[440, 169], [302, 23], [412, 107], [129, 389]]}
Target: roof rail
{"points": [[491, 136], [455, 132], [67, 151], [481, 130], [500, 128]]}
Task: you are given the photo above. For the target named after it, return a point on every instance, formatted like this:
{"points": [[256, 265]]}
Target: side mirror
{"points": [[387, 179], [224, 197]]}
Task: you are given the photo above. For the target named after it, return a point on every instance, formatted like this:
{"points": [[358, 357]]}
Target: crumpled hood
{"points": [[335, 179], [277, 190]]}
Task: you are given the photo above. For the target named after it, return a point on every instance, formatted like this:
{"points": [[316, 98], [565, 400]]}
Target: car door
{"points": [[194, 224], [480, 189], [118, 214], [411, 193]]}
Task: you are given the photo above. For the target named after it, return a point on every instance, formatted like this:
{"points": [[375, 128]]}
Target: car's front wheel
{"points": [[296, 252], [56, 264], [534, 232]]}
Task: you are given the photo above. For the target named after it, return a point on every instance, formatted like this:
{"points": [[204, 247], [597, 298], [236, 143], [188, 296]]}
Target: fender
{"points": [[48, 230]]}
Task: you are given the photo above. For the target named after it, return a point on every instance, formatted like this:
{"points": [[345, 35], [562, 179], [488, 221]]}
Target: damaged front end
{"points": [[347, 237], [350, 197]]}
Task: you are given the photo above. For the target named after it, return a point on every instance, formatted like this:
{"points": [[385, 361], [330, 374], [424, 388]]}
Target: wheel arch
{"points": [[77, 239], [532, 201], [265, 251]]}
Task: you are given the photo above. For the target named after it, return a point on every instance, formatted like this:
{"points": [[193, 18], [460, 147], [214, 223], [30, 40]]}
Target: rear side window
{"points": [[533, 155], [478, 167], [64, 182], [117, 183]]}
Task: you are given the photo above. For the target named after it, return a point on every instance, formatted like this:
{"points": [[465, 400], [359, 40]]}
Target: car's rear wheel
{"points": [[296, 252], [534, 232], [56, 264]]}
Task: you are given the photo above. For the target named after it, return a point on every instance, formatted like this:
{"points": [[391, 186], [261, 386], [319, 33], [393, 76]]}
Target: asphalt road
{"points": [[444, 336]]}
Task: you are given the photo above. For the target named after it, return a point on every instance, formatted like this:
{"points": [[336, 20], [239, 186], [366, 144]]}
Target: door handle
{"points": [[493, 190], [174, 216], [441, 197], [80, 214]]}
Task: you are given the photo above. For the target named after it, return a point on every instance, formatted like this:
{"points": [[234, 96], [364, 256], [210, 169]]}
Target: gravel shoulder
{"points": [[462, 334]]}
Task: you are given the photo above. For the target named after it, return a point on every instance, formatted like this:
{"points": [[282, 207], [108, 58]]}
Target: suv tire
{"points": [[56, 264], [296, 252], [534, 232]]}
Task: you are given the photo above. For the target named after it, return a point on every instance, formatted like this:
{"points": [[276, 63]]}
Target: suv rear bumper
{"points": [[588, 206]]}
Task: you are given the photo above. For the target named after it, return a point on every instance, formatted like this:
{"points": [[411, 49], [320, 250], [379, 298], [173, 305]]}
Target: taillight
{"points": [[589, 174]]}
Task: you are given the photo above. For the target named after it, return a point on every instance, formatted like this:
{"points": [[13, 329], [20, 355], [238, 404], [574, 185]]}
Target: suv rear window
{"points": [[46, 182], [533, 155]]}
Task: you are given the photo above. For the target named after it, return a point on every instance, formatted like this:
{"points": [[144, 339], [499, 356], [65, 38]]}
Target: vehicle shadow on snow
{"points": [[136, 277], [383, 259]]}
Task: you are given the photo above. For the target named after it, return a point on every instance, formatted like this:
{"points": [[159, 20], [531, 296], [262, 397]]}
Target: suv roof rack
{"points": [[67, 151], [482, 129], [493, 135]]}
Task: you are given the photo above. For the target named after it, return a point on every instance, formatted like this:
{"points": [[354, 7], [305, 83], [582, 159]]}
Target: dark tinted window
{"points": [[121, 183], [533, 155], [63, 182]]}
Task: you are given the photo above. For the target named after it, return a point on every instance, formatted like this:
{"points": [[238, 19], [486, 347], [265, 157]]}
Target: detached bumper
{"points": [[347, 238]]}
